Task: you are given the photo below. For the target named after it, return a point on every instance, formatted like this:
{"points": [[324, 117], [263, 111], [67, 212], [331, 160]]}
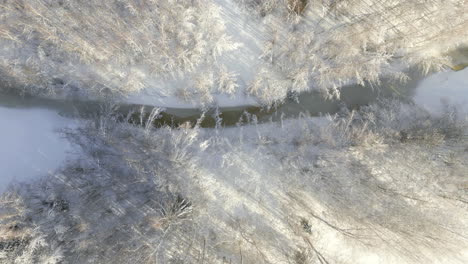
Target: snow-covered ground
{"points": [[31, 145], [444, 87]]}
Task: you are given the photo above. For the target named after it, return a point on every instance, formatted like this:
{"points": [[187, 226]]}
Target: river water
{"points": [[31, 144], [312, 103]]}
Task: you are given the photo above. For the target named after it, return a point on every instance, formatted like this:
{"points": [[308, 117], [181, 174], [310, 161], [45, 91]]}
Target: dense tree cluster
{"points": [[385, 183], [180, 48]]}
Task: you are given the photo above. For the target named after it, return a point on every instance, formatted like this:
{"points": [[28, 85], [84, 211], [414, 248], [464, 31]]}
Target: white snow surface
{"points": [[30, 144], [440, 88]]}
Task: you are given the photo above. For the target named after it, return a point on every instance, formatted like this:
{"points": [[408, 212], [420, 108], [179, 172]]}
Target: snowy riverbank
{"points": [[444, 87], [31, 144]]}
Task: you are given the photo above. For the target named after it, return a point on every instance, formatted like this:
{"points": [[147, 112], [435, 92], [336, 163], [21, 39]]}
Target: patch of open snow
{"points": [[443, 87], [30, 144]]}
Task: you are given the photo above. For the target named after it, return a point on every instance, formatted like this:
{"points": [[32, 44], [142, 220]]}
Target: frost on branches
{"points": [[119, 47], [385, 184], [330, 43], [195, 50]]}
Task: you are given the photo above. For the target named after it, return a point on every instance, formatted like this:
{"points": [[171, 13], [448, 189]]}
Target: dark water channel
{"points": [[313, 103]]}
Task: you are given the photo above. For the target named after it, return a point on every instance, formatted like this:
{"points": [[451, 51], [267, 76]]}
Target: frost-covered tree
{"points": [[96, 47], [327, 44], [197, 49], [385, 184]]}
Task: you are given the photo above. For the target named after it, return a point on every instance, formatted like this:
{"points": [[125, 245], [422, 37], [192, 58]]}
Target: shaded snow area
{"points": [[30, 144], [386, 184], [439, 89]]}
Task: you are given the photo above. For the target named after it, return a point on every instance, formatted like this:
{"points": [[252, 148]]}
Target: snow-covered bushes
{"points": [[344, 188], [391, 121], [197, 49], [332, 43], [96, 47]]}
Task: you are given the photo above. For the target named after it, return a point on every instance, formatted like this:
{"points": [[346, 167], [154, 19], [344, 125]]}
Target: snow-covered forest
{"points": [[234, 131], [194, 50]]}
